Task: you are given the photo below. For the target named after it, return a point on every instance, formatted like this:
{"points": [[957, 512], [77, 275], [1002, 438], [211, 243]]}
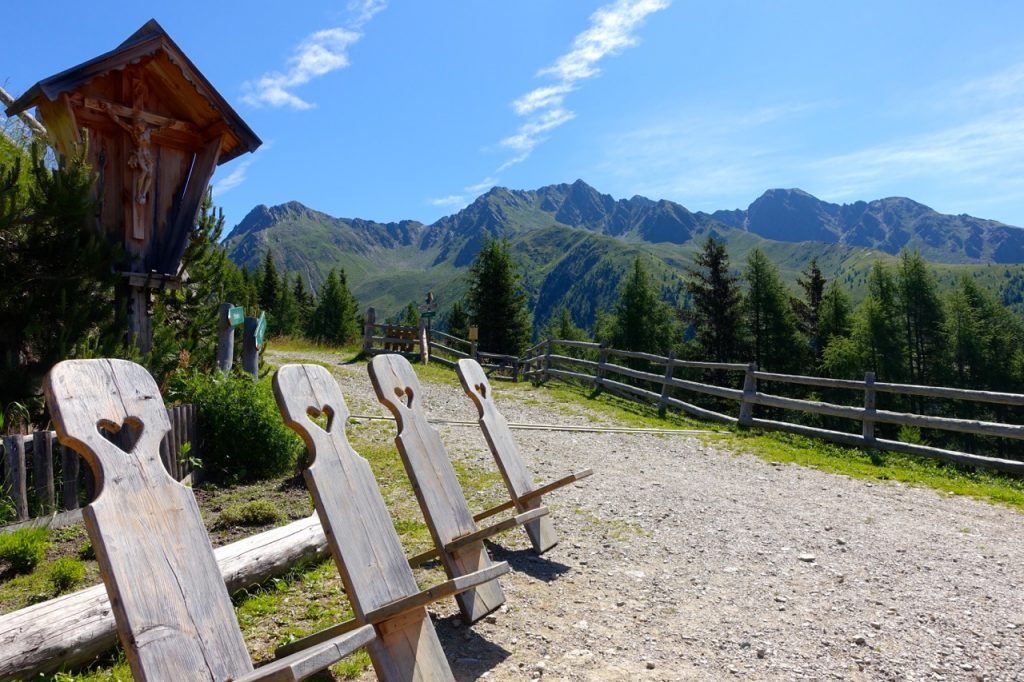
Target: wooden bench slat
{"points": [[434, 481]]}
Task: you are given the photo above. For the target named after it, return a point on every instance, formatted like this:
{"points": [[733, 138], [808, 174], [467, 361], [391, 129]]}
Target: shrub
{"points": [[23, 549], [255, 513], [65, 573], [242, 435]]}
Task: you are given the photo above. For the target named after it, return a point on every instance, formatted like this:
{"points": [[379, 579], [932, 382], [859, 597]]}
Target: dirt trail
{"points": [[683, 561]]}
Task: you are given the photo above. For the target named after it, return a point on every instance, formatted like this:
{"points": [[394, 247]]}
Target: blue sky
{"points": [[395, 109]]}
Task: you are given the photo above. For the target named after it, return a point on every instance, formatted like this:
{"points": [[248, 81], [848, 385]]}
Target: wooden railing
{"points": [[595, 365], [448, 349], [45, 479]]}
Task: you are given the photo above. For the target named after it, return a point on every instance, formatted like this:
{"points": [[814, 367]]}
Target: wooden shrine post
{"points": [[154, 129]]}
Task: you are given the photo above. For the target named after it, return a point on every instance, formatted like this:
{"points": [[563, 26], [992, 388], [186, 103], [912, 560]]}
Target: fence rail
{"points": [[46, 479], [542, 362]]}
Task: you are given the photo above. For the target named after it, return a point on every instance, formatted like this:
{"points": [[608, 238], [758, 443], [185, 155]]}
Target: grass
{"points": [[788, 448]]}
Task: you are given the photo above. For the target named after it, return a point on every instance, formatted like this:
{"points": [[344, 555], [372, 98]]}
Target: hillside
{"points": [[574, 244]]}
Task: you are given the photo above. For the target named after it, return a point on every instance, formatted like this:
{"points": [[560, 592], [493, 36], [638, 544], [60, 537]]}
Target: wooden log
{"points": [[578, 361], [70, 462], [577, 344], [637, 355], [602, 360], [565, 374], [14, 455], [922, 421], [694, 364], [823, 382], [371, 320], [42, 470], [76, 628], [701, 412]]}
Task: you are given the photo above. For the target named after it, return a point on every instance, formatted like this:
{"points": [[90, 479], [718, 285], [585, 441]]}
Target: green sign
{"points": [[236, 315], [261, 329], [427, 314]]}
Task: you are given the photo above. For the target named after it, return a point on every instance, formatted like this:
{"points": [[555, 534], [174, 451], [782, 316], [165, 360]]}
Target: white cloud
{"points": [[987, 151], [317, 55], [611, 30], [482, 186], [238, 174], [451, 200]]}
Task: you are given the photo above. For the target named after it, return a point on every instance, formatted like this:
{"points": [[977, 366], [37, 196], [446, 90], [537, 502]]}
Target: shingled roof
{"points": [[166, 64]]}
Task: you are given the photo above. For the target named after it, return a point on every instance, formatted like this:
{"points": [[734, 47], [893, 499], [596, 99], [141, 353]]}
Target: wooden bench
{"points": [[362, 538], [524, 496], [173, 613], [457, 539]]}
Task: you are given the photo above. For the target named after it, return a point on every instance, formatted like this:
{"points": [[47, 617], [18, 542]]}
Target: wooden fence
{"points": [[46, 479], [390, 338], [447, 350], [596, 366]]}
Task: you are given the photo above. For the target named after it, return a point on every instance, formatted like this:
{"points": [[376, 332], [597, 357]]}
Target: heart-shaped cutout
{"points": [[124, 436], [404, 394], [323, 417]]}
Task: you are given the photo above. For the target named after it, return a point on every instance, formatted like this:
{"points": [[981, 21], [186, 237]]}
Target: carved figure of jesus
{"points": [[141, 159]]}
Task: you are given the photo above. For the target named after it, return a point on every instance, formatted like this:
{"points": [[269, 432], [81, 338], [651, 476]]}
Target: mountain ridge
{"points": [[563, 233]]}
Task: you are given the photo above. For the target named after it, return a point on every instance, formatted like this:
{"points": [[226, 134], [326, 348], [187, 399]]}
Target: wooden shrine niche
{"points": [[155, 129]]}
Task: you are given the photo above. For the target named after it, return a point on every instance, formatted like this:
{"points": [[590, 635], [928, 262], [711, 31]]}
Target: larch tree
{"points": [[771, 326], [922, 316]]}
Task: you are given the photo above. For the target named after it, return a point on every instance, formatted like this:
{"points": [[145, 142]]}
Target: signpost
{"points": [[261, 330], [427, 312], [236, 315]]}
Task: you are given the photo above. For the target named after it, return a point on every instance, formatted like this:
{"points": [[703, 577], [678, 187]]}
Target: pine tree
{"points": [[496, 301], [982, 337], [286, 313], [808, 310], [57, 274], [562, 326], [642, 320], [334, 320], [876, 327], [769, 320], [834, 316], [458, 321], [304, 302], [270, 285], [410, 316], [922, 317], [714, 304]]}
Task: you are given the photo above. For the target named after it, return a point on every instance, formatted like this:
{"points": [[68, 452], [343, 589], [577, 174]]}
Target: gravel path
{"points": [[680, 560]]}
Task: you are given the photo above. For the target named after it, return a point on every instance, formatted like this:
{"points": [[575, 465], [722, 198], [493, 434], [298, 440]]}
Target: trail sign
{"points": [[236, 315], [261, 330], [427, 314]]}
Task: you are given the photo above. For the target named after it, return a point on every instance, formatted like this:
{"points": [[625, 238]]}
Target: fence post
{"points": [[14, 450], [749, 394], [70, 461], [42, 469], [424, 342], [368, 326], [250, 353], [868, 422], [669, 370], [225, 339], [602, 360], [547, 358]]}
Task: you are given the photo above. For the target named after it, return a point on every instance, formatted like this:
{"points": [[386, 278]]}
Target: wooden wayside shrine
{"points": [[154, 129]]}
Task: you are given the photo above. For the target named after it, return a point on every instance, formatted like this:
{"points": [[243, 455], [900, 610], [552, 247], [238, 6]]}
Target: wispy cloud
{"points": [[481, 186], [611, 31], [448, 201], [986, 152], [238, 174], [318, 54]]}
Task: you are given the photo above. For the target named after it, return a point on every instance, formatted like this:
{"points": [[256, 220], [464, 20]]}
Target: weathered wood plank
{"points": [[358, 526], [434, 481], [42, 470], [74, 629], [70, 461], [17, 479], [172, 610]]}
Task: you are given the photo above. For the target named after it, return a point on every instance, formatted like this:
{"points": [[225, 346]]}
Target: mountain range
{"points": [[574, 243]]}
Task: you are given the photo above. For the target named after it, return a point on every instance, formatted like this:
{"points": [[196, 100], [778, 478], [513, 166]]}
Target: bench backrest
{"points": [[173, 612]]}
